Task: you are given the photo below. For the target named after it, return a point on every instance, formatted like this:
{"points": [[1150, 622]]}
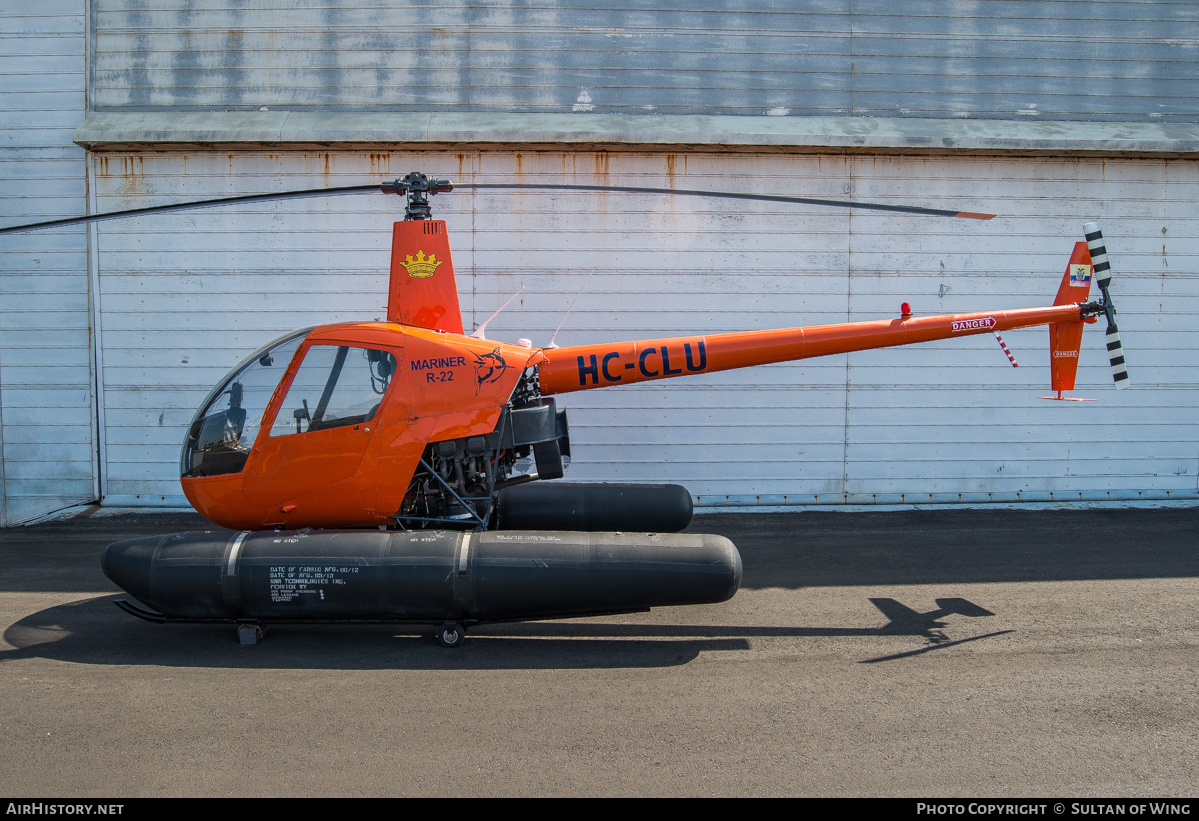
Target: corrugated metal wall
{"points": [[185, 296], [179, 299], [1056, 60], [46, 419]]}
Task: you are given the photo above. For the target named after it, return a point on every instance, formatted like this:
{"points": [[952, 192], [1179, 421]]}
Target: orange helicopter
{"points": [[411, 422], [412, 426]]}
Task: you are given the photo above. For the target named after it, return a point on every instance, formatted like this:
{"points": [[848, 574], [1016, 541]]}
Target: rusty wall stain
{"points": [[602, 164], [380, 163]]}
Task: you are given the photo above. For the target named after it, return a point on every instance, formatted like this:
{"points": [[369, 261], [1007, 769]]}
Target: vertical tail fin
{"points": [[1065, 338]]}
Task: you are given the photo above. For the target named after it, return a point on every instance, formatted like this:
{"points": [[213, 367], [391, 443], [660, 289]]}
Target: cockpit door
{"points": [[321, 429]]}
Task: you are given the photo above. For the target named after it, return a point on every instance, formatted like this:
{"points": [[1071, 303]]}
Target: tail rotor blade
{"points": [[1115, 353], [1103, 278], [1103, 268]]}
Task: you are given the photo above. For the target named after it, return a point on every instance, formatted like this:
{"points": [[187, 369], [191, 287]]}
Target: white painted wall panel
{"points": [[47, 438], [184, 297]]}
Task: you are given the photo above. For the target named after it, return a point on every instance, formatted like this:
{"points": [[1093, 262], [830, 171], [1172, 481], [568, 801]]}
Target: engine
{"points": [[482, 482]]}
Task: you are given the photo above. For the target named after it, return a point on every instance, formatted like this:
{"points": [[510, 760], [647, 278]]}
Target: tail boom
{"points": [[583, 367]]}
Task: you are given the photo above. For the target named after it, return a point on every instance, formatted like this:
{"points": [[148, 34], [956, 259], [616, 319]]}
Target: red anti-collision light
{"points": [[905, 310]]}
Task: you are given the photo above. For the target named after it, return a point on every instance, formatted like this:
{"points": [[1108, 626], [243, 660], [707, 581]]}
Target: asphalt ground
{"points": [[962, 653]]}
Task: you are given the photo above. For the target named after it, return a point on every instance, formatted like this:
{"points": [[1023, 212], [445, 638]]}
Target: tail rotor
{"points": [[1103, 278]]}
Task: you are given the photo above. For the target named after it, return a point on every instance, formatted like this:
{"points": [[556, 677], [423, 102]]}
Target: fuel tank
{"points": [[421, 577]]}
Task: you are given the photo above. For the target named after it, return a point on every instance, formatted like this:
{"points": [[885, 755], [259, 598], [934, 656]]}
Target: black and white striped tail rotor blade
{"points": [[1115, 353], [1103, 279], [1103, 268]]}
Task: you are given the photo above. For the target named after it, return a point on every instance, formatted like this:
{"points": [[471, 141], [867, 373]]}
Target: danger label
{"points": [[984, 324]]}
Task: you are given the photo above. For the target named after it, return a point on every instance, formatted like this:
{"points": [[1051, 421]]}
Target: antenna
{"points": [[478, 334], [568, 310]]}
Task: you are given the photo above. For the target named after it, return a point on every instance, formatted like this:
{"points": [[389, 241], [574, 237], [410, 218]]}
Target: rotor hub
{"points": [[418, 188]]}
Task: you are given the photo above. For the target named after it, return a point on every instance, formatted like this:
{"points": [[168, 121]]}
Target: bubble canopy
{"points": [[222, 432]]}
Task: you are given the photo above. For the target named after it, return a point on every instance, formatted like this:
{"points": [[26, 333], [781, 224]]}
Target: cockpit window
{"points": [[222, 434], [335, 386]]}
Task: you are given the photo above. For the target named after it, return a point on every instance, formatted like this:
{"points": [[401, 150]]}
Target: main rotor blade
{"points": [[727, 195], [485, 186], [186, 206]]}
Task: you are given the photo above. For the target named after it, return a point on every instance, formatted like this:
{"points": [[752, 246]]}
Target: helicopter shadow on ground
{"points": [[903, 621], [93, 631]]}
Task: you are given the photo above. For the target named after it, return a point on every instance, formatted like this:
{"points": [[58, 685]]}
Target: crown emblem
{"points": [[421, 266]]}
